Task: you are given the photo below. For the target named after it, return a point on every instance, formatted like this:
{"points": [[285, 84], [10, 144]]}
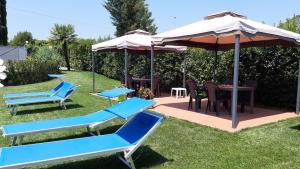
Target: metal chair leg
{"points": [[14, 140], [13, 110], [128, 162], [21, 140], [217, 106]]}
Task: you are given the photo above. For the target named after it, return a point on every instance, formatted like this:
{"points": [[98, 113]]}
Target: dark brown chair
{"points": [[157, 81], [194, 95], [244, 96], [129, 82], [215, 97]]}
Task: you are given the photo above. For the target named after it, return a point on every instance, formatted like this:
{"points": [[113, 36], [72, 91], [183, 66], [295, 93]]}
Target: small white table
{"points": [[180, 91]]}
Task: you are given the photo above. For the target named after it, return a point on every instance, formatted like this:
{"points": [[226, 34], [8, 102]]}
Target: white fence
{"points": [[12, 53]]}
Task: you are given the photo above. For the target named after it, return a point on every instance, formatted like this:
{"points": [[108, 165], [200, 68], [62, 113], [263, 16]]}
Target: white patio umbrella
{"points": [[138, 41], [228, 30]]}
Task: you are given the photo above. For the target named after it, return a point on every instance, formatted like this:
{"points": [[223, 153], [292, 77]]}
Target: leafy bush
{"points": [[29, 71], [276, 70], [45, 54], [81, 53], [145, 93], [112, 65], [169, 67]]}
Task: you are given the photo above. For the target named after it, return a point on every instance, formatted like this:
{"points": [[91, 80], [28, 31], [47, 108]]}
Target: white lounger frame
{"points": [[89, 127], [61, 102], [17, 139], [126, 158]]}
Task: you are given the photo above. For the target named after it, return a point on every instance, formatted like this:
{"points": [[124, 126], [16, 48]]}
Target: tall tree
{"points": [[3, 23], [63, 35], [291, 24], [128, 15], [21, 38]]}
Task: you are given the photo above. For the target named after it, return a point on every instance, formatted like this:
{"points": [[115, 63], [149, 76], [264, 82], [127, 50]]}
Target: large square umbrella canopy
{"points": [[217, 32], [227, 30], [137, 41]]}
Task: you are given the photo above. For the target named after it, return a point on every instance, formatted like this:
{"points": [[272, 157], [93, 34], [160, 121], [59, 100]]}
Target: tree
{"points": [[63, 35], [290, 24], [3, 23], [21, 39], [128, 15]]}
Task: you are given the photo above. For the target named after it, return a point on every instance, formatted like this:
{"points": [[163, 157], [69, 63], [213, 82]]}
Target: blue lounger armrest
{"points": [[33, 94], [116, 92], [124, 111], [32, 100], [22, 129]]}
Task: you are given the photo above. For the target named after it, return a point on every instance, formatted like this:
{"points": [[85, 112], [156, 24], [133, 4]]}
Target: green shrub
{"points": [[29, 71], [45, 53], [81, 54], [274, 68], [110, 65]]}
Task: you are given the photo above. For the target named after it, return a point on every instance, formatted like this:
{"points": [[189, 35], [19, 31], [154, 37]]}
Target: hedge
{"points": [[274, 68], [29, 71]]}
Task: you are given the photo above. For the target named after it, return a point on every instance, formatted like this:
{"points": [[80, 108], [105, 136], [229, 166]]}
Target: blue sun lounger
{"points": [[124, 109], [124, 142], [34, 94], [58, 76], [116, 92], [63, 94]]}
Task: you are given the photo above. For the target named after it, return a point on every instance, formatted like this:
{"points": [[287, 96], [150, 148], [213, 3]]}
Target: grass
{"points": [[176, 143]]}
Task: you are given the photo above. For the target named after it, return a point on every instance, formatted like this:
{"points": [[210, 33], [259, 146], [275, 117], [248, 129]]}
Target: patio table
{"points": [[141, 81], [229, 88]]}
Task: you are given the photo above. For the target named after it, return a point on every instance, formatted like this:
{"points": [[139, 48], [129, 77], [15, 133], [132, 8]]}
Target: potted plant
{"points": [[145, 93]]}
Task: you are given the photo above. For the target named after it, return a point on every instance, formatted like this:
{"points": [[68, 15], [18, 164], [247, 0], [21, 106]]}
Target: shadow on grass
{"points": [[47, 109], [297, 127], [144, 157]]}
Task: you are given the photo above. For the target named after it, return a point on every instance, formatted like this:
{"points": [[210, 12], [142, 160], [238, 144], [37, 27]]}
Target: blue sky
{"points": [[91, 19]]}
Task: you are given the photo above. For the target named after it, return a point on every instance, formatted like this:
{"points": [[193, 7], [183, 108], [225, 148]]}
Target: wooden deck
{"points": [[170, 106]]}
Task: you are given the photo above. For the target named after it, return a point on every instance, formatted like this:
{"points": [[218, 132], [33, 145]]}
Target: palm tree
{"points": [[63, 35]]}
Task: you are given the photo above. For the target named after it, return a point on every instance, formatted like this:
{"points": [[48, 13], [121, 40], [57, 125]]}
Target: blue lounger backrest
{"points": [[65, 90], [139, 126], [58, 87]]}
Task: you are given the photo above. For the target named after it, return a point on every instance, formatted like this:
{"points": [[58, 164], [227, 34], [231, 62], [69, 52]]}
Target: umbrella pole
{"points": [[152, 68], [126, 66], [298, 90], [215, 66], [235, 81], [93, 70], [183, 71]]}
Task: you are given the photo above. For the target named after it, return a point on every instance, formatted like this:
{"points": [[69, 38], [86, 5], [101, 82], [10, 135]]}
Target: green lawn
{"points": [[176, 143]]}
